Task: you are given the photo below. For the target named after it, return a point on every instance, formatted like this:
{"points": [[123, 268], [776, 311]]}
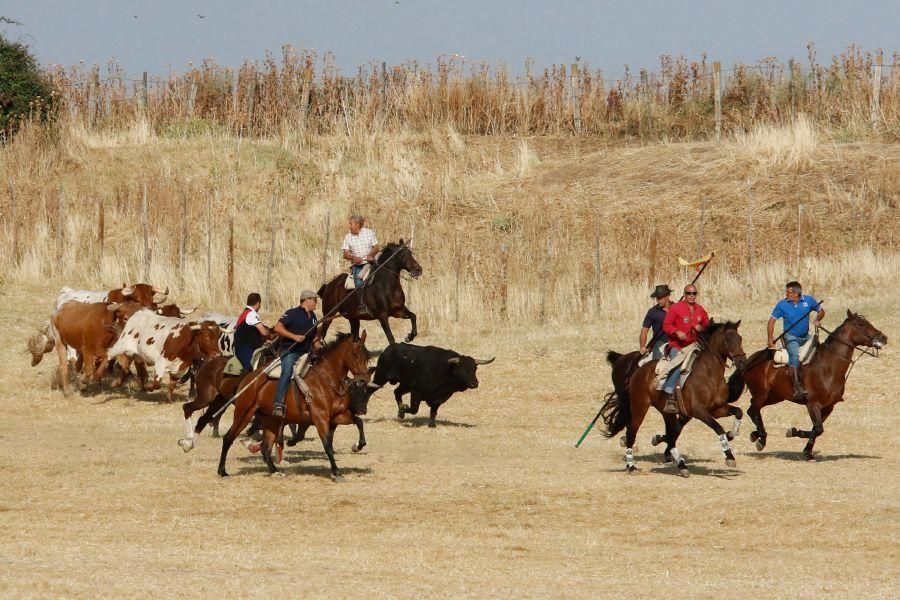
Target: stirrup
{"points": [[278, 410], [671, 406]]}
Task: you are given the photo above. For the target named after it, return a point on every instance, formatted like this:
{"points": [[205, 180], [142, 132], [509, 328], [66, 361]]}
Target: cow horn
{"points": [[113, 307], [127, 291], [195, 326], [481, 361], [453, 360], [185, 313], [159, 298], [373, 386]]}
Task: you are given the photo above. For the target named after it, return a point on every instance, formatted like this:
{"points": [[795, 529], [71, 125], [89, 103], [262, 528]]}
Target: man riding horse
{"points": [[297, 330], [683, 322], [360, 247], [794, 311], [653, 321]]}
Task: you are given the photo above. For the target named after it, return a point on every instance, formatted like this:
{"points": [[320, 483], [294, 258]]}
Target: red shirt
{"points": [[681, 317]]}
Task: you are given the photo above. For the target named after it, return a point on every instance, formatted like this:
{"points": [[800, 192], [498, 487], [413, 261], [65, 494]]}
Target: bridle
{"points": [[863, 350]]}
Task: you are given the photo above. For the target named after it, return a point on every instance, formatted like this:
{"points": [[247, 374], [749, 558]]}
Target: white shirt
{"points": [[361, 244], [252, 318]]}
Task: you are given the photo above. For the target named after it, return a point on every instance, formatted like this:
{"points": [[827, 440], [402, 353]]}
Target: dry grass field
{"points": [[98, 500]]}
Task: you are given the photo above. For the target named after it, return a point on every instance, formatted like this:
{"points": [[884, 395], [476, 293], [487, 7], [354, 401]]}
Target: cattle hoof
{"points": [[187, 444]]}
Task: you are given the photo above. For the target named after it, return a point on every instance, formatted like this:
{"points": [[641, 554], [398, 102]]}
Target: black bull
{"points": [[427, 373]]}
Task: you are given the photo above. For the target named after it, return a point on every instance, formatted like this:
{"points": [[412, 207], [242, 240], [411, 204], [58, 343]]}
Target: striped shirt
{"points": [[361, 244]]}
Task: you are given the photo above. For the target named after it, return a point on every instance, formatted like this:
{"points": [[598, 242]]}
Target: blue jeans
{"points": [[658, 349], [287, 373], [355, 271], [674, 374], [792, 343]]}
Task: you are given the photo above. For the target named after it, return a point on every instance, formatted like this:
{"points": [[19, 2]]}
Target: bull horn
{"points": [[453, 361], [159, 298], [480, 361], [195, 326], [113, 307], [373, 386], [127, 291], [185, 313]]}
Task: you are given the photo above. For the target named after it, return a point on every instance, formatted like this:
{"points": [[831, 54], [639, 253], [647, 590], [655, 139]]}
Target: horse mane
{"points": [[389, 250], [713, 327], [341, 337]]}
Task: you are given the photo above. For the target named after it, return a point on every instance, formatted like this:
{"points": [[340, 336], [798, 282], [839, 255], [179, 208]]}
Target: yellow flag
{"points": [[697, 263]]}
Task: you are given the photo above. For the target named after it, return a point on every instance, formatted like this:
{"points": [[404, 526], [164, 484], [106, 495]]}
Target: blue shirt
{"points": [[298, 321], [796, 314], [654, 320]]}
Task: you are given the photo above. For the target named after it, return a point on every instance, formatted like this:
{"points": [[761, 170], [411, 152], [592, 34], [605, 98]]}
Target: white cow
{"points": [[168, 344], [227, 323]]}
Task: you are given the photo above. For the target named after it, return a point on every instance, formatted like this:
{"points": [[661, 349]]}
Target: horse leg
{"points": [[412, 319], [387, 329], [755, 413], [242, 417], [299, 435], [639, 408], [326, 434], [703, 415], [738, 414], [354, 328], [271, 427], [817, 415], [362, 435]]}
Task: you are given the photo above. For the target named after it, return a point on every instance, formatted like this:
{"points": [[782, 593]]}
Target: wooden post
{"points": [[717, 90], [576, 97], [271, 263], [791, 85], [235, 76], [458, 260], [651, 271], [231, 253], [60, 227], [876, 90], [146, 223], [192, 96], [251, 100], [597, 261], [101, 232], [799, 231], [384, 84], [325, 245], [702, 226], [15, 221], [504, 277], [304, 95], [144, 91], [750, 237], [209, 235], [182, 245]]}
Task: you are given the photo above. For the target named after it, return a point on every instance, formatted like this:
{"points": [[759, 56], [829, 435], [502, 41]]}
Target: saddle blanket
{"points": [[807, 351], [685, 358], [234, 367], [300, 368], [349, 284]]}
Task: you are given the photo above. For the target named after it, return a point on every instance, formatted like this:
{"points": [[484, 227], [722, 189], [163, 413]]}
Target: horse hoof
{"points": [[683, 470], [223, 473], [754, 435], [667, 458], [253, 447], [291, 443], [186, 444], [791, 432], [356, 448], [276, 474], [729, 436], [656, 440], [760, 444], [216, 434], [809, 457], [631, 469], [731, 462], [337, 477]]}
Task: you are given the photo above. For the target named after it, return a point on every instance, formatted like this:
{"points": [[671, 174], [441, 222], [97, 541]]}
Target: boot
{"points": [[361, 307], [671, 406], [278, 410], [799, 391]]}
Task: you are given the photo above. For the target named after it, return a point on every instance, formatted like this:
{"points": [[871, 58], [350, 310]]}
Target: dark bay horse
{"points": [[824, 378], [331, 403], [705, 396], [383, 294]]}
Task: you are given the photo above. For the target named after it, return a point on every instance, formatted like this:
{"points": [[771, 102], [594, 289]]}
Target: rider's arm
{"points": [[262, 329], [371, 255], [280, 330], [350, 257], [643, 341], [820, 317], [770, 330]]}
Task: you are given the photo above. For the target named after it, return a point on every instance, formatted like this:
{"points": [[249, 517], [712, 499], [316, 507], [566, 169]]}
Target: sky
{"points": [[165, 35]]}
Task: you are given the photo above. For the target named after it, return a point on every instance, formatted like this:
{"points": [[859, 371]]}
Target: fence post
{"points": [[717, 90], [384, 84], [60, 225], [182, 246], [876, 89], [209, 235], [750, 236], [271, 262], [235, 76], [146, 223], [192, 96], [251, 100], [101, 232], [702, 226], [144, 92], [15, 221], [504, 277], [576, 97], [799, 231], [231, 253], [304, 95], [325, 245]]}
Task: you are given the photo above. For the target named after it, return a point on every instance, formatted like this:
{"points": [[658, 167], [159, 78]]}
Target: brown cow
{"points": [[89, 329]]}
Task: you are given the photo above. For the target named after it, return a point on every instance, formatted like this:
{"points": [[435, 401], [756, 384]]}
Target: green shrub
{"points": [[24, 91]]}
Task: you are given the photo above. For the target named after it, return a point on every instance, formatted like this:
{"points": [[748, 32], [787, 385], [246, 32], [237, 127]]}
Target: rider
{"points": [[683, 322], [360, 247], [794, 311], [654, 320], [249, 332], [297, 330]]}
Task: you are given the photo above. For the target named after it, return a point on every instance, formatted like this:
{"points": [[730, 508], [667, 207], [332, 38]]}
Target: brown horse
{"points": [[704, 396], [382, 293], [824, 378], [329, 406]]}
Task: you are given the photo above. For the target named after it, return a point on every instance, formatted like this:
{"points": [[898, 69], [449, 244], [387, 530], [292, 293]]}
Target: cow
{"points": [[427, 373], [227, 323], [169, 344], [90, 330], [142, 293]]}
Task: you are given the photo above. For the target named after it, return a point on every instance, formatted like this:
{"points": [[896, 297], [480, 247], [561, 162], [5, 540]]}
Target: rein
{"points": [[852, 361]]}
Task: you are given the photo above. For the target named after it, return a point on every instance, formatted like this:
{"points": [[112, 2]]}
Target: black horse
{"points": [[383, 295]]}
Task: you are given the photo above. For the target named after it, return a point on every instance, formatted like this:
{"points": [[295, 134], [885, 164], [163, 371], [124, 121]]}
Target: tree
{"points": [[24, 91]]}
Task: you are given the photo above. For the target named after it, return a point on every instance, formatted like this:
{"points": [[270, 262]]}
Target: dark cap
{"points": [[661, 291]]}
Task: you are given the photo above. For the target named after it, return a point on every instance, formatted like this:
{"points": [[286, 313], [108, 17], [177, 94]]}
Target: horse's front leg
{"points": [[703, 415], [326, 434], [817, 415], [387, 329], [674, 425], [755, 413], [412, 319], [362, 434], [738, 414], [299, 434]]}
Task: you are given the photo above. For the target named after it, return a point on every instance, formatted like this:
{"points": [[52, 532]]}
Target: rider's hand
{"points": [[300, 338], [681, 335], [771, 343], [644, 350], [816, 322]]}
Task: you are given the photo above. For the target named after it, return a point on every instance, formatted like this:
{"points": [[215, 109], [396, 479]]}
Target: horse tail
{"points": [[612, 357], [616, 412], [736, 386]]}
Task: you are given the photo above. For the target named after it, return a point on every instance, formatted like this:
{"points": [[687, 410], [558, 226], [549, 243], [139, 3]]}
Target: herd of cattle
{"points": [[96, 332]]}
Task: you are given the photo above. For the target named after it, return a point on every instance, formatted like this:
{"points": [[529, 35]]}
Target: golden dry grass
{"points": [[98, 500]]}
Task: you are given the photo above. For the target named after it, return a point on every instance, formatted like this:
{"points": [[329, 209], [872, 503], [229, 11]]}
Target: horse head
{"points": [[401, 256], [348, 353], [724, 339], [862, 333]]}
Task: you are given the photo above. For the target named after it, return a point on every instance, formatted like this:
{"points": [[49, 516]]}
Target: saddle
{"points": [[235, 368], [685, 359], [350, 284], [807, 351]]}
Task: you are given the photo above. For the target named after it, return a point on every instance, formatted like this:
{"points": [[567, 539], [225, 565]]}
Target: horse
{"points": [[383, 294], [330, 403], [704, 395], [824, 378]]}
